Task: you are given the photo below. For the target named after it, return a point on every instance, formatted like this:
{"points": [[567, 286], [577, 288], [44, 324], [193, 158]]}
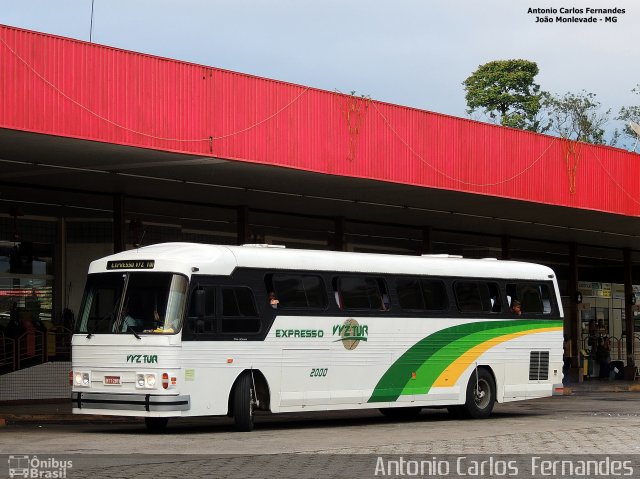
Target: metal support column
{"points": [[630, 367], [338, 234], [572, 320], [427, 243], [60, 272], [242, 225], [119, 237], [506, 246]]}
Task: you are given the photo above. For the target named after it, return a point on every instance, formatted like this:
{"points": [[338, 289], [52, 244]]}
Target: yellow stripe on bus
{"points": [[450, 376]]}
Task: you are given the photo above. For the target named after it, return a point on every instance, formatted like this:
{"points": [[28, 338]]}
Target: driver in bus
{"points": [[128, 321]]}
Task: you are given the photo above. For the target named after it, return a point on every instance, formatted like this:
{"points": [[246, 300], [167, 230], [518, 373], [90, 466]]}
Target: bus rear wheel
{"points": [[243, 403], [401, 412], [481, 395], [156, 425]]}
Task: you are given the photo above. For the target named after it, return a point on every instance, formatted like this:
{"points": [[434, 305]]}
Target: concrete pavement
{"points": [[44, 412]]}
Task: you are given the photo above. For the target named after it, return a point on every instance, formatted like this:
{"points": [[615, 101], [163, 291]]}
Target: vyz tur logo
{"points": [[351, 333]]}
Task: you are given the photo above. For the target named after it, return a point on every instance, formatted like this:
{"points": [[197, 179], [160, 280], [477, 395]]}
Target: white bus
{"points": [[179, 329]]}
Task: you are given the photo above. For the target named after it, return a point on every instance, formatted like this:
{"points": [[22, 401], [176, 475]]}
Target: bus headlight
{"points": [[82, 379], [145, 380]]}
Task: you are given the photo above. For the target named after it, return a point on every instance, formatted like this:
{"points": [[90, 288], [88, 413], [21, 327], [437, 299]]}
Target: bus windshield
{"points": [[138, 302]]}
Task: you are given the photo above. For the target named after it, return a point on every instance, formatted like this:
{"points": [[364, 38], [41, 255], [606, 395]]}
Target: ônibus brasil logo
{"points": [[351, 333], [31, 466]]}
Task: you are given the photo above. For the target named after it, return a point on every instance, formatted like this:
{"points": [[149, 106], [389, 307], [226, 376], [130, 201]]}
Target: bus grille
{"points": [[539, 366]]}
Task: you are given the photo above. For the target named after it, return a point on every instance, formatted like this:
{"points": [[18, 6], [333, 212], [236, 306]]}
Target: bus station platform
{"points": [[53, 412], [601, 386], [59, 411]]}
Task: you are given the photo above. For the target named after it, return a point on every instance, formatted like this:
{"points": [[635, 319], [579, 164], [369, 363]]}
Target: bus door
{"points": [[220, 324]]}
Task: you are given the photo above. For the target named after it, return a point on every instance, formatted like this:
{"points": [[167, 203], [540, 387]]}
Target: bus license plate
{"points": [[112, 379]]}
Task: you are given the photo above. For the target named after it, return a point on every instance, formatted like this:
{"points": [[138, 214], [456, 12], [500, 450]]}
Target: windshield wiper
{"points": [[95, 325], [130, 328]]}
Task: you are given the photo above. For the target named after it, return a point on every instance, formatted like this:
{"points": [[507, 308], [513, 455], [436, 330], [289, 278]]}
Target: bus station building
{"points": [[102, 150]]}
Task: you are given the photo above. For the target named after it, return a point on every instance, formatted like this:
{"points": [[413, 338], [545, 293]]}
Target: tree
{"points": [[577, 116], [505, 91], [630, 114]]}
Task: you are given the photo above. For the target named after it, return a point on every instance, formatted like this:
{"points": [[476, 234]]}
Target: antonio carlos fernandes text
{"points": [[498, 467]]}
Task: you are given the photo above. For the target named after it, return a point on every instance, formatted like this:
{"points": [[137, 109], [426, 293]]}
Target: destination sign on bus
{"points": [[131, 264]]}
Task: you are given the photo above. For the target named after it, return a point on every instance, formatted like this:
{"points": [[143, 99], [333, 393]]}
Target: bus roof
{"points": [[187, 258]]}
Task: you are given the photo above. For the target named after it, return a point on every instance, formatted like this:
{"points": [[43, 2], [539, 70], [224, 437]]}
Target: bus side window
{"points": [[298, 291], [410, 294], [362, 293], [202, 322], [417, 294], [435, 295], [469, 297], [546, 298], [531, 300], [239, 314], [534, 297], [386, 301], [512, 293], [494, 295], [336, 294]]}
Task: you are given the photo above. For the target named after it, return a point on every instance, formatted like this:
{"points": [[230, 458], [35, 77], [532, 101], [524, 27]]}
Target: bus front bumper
{"points": [[130, 402]]}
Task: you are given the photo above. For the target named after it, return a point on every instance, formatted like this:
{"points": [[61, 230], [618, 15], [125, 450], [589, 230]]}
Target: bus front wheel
{"points": [[243, 403], [481, 395]]}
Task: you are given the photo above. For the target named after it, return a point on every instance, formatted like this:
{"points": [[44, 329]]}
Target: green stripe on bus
{"points": [[429, 357], [435, 365]]}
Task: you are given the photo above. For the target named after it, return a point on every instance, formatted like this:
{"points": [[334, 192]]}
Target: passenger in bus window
{"points": [[386, 304], [496, 305], [336, 294], [516, 307], [273, 301]]}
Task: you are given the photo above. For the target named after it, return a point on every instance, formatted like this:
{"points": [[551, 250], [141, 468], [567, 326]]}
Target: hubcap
{"points": [[482, 394]]}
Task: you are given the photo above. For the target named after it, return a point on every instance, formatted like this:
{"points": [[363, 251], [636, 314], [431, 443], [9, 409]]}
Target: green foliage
{"points": [[630, 114], [576, 116], [505, 91]]}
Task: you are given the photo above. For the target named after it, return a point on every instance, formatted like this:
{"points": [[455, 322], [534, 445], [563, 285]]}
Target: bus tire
{"points": [[401, 412], [156, 425], [480, 400], [243, 403]]}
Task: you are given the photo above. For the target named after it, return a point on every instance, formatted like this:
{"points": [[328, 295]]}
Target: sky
{"points": [[410, 52]]}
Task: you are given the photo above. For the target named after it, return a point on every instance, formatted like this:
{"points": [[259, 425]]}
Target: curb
{"points": [[608, 388], [12, 419]]}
